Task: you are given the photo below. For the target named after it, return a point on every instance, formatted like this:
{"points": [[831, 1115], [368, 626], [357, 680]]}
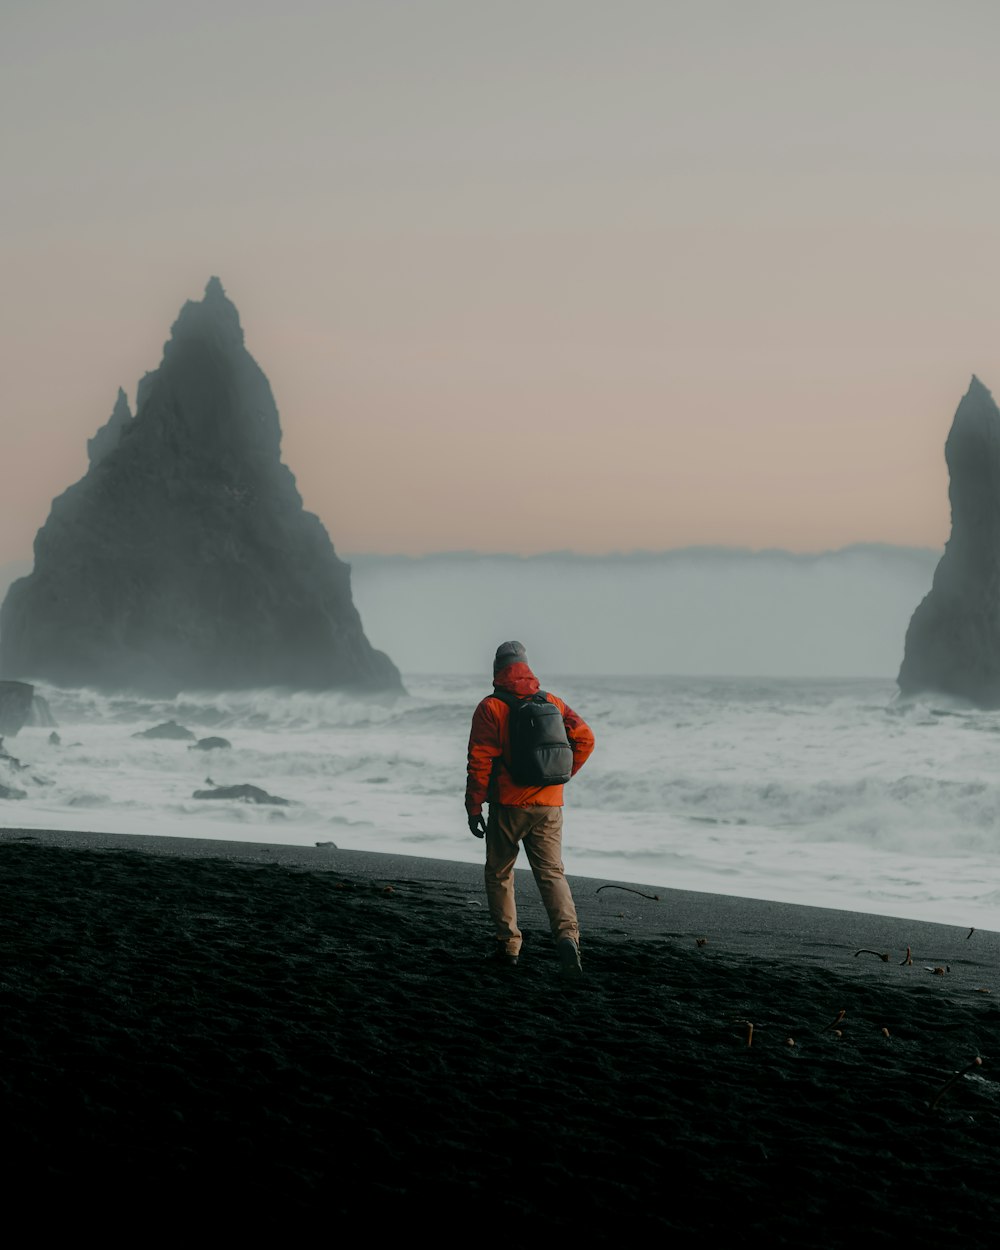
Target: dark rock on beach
{"points": [[953, 640], [253, 794], [184, 558], [211, 744], [16, 699], [170, 730]]}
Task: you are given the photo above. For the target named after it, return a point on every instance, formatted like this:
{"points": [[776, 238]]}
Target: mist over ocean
{"points": [[697, 610]]}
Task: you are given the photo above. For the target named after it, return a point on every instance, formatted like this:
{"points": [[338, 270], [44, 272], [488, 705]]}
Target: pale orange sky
{"points": [[523, 276]]}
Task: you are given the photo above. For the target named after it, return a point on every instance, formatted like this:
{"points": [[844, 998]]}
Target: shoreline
{"points": [[584, 864], [773, 926]]}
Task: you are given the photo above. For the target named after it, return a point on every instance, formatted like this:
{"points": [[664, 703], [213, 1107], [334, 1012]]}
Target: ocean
{"points": [[830, 793]]}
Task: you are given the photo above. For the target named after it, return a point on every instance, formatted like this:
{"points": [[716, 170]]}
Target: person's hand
{"points": [[477, 826]]}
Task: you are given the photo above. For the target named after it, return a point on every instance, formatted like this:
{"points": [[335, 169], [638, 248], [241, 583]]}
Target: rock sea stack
{"points": [[184, 559], [953, 640]]}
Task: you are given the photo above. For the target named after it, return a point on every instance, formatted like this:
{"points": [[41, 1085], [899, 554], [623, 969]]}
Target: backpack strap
{"points": [[512, 701]]}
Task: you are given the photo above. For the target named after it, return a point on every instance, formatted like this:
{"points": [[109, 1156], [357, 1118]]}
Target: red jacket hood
{"points": [[518, 679]]}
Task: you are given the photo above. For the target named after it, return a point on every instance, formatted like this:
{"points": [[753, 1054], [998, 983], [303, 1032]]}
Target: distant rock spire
{"points": [[184, 558], [108, 436], [214, 318], [953, 640]]}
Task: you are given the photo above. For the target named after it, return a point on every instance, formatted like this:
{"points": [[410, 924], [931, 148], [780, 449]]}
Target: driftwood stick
{"points": [[654, 897], [957, 1076]]}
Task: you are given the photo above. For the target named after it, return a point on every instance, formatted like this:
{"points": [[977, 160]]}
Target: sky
{"points": [[523, 276]]}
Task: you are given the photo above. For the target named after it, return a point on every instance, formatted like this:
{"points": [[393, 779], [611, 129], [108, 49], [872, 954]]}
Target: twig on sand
{"points": [[837, 1019], [865, 951], [908, 961], [654, 897], [957, 1076], [969, 934]]}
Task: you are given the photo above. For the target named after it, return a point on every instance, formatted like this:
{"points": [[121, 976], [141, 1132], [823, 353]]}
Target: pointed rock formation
{"points": [[184, 558], [108, 436], [953, 641]]}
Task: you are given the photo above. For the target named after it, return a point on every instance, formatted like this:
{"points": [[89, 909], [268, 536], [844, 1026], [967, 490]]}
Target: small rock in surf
{"points": [[253, 794], [170, 729]]}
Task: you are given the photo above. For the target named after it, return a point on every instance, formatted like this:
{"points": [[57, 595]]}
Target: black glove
{"points": [[477, 826]]}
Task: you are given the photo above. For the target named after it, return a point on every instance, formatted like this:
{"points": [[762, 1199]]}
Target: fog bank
{"points": [[690, 611]]}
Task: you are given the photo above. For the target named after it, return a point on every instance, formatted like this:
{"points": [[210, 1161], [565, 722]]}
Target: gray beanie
{"points": [[509, 653]]}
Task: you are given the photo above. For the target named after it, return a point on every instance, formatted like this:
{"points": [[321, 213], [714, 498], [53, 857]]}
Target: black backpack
{"points": [[540, 753]]}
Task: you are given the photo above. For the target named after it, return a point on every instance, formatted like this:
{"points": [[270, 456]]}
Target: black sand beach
{"points": [[265, 1036]]}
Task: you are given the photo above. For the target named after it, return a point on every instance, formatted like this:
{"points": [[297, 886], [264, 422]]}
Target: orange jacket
{"points": [[489, 779]]}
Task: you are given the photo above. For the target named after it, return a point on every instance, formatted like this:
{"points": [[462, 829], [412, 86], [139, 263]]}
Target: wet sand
{"points": [[258, 1036]]}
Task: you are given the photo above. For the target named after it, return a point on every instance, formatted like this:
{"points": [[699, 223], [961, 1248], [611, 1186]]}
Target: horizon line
{"points": [[647, 553]]}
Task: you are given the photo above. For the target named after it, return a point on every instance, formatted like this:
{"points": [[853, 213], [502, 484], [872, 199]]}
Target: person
{"points": [[532, 815]]}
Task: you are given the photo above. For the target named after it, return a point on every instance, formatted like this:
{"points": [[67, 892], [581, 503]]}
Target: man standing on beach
{"points": [[520, 813]]}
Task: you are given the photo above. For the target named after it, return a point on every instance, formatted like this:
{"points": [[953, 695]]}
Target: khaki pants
{"points": [[540, 829]]}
